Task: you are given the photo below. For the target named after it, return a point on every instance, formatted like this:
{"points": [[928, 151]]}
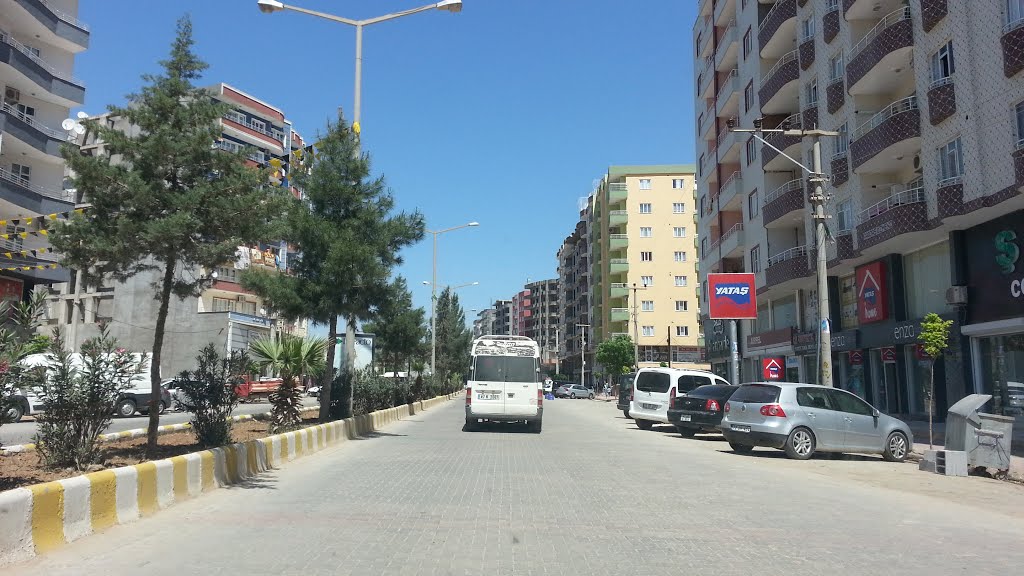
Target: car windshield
{"points": [[505, 369], [757, 394], [653, 382]]}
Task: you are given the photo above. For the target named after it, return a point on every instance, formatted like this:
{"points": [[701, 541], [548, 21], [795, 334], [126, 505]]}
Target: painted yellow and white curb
{"points": [[43, 517], [141, 432]]}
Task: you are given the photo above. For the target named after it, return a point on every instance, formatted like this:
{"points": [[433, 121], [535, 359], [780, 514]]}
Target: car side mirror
{"points": [[875, 412]]}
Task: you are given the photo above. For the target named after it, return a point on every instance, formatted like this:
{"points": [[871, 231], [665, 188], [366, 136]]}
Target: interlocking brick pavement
{"points": [[591, 495]]}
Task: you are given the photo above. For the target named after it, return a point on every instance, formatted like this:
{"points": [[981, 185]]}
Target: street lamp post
{"points": [[583, 354], [433, 299]]}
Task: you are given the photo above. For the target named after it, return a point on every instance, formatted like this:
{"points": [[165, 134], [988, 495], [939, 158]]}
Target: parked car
{"points": [[563, 391], [655, 390], [806, 418], [701, 410], [578, 391], [136, 399], [23, 403], [313, 391], [625, 392]]}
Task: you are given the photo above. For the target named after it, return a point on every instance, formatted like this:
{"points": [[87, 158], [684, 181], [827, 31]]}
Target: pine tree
{"points": [[164, 199], [397, 327], [349, 241], [453, 338]]}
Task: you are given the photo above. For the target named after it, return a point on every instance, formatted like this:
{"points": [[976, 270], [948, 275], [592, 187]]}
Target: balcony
{"points": [[620, 314], [787, 265], [869, 9], [33, 198], [619, 290], [728, 194], [1012, 43], [70, 32], [617, 192], [777, 32], [618, 265], [724, 10], [728, 146], [779, 87], [705, 80], [783, 201], [882, 143], [31, 131], [835, 94], [731, 242], [705, 123], [941, 100], [771, 160], [618, 241], [840, 167], [618, 217], [900, 213], [807, 53], [23, 59], [932, 12], [879, 59], [705, 45], [727, 101], [727, 50]]}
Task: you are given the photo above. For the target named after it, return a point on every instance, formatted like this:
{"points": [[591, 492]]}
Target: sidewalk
{"points": [[920, 431]]}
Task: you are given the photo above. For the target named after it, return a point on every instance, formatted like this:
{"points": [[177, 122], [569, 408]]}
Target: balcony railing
{"points": [[905, 105], [797, 252], [1013, 24], [733, 178], [786, 59], [767, 17], [275, 134], [736, 229], [63, 195], [728, 37], [65, 16], [7, 39], [618, 261], [787, 187], [888, 20], [912, 195], [31, 121]]}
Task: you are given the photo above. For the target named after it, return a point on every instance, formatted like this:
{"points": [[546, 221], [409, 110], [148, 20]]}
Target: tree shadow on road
{"points": [[373, 435], [264, 481]]}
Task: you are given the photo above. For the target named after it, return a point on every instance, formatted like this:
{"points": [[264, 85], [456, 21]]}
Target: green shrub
{"points": [[210, 394]]}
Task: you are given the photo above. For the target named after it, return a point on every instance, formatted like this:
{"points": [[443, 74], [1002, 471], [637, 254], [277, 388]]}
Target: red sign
{"points": [[771, 367], [732, 297], [872, 304], [921, 354], [10, 289], [856, 357], [889, 355]]}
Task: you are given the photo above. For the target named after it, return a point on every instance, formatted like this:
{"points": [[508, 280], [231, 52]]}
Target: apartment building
{"points": [[38, 44], [520, 312], [924, 202], [484, 322], [502, 317], [542, 324], [644, 262], [574, 302], [225, 313]]}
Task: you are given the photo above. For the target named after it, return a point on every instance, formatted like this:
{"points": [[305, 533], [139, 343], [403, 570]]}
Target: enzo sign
{"points": [[732, 296]]}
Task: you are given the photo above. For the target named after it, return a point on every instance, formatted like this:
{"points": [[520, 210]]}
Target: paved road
{"points": [[591, 495], [23, 431]]}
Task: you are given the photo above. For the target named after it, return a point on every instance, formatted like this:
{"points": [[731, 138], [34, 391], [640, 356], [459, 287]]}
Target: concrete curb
{"points": [[140, 432], [44, 517]]}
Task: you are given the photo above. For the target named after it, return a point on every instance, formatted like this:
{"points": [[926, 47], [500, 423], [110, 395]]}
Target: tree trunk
{"points": [[931, 401], [158, 346], [328, 377], [350, 360]]}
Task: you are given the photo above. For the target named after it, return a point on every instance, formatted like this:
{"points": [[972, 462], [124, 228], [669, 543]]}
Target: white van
{"points": [[655, 391], [504, 382]]}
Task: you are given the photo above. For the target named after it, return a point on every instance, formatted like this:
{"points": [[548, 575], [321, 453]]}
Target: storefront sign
{"points": [[845, 340], [872, 302], [906, 332], [792, 362], [995, 268], [717, 338], [771, 368], [805, 342], [732, 296], [920, 353], [889, 355], [856, 357], [773, 338]]}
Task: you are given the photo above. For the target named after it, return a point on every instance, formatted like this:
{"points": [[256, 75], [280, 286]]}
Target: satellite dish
{"points": [[68, 124], [79, 129], [82, 115]]}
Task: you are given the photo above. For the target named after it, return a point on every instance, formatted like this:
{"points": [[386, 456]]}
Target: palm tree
{"points": [[290, 358]]}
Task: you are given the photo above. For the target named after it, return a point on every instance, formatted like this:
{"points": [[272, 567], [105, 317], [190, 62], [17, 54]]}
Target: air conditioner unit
{"points": [[956, 296], [917, 162], [11, 95]]}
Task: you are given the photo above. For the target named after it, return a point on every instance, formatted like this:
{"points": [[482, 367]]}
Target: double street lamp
{"points": [[433, 301]]}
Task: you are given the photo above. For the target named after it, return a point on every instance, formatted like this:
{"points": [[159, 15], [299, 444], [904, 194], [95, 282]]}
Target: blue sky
{"points": [[505, 113]]}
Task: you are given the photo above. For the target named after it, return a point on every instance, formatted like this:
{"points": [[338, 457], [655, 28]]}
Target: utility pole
{"points": [[636, 340], [817, 178], [558, 362], [669, 328], [583, 354]]}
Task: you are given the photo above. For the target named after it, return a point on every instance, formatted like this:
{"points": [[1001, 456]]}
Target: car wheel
{"points": [[741, 448], [591, 396], [800, 444], [534, 426], [896, 447], [13, 413], [163, 407], [625, 413], [644, 424], [126, 407], [573, 395], [685, 432]]}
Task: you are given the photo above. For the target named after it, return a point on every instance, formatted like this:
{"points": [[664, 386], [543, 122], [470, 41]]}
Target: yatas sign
{"points": [[1007, 254], [995, 269]]}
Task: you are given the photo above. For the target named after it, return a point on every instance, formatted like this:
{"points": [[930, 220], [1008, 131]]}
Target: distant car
{"points": [[625, 392], [806, 418], [701, 410], [136, 399], [313, 391], [563, 391], [578, 391]]}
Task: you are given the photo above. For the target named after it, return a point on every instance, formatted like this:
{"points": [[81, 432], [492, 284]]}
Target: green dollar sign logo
{"points": [[1007, 252]]}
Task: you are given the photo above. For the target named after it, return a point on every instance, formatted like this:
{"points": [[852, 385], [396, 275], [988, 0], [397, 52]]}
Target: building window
{"points": [[844, 215], [942, 63], [1014, 11], [807, 29], [704, 199], [836, 67], [647, 281], [648, 330], [647, 306], [748, 44], [753, 206], [646, 232], [678, 207], [751, 151], [678, 183], [811, 93], [748, 96], [232, 115], [258, 125], [16, 242], [647, 256], [700, 165], [1019, 114], [645, 183], [679, 231], [682, 330], [679, 256], [755, 259], [682, 306], [843, 141], [951, 161], [22, 172], [645, 208], [681, 281]]}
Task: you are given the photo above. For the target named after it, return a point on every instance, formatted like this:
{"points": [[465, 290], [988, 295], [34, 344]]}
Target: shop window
{"points": [[926, 275]]}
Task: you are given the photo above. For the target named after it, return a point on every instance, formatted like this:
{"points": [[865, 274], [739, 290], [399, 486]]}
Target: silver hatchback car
{"points": [[806, 418]]}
